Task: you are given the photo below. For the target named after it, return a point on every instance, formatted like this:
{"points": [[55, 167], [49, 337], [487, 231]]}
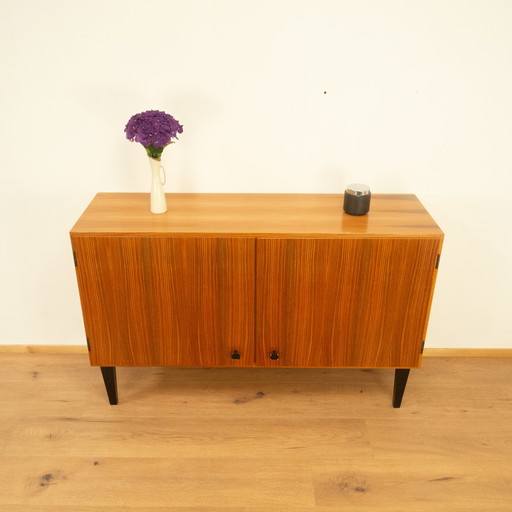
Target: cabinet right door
{"points": [[343, 302]]}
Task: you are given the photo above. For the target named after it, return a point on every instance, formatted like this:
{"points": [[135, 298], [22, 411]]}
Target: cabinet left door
{"points": [[161, 301]]}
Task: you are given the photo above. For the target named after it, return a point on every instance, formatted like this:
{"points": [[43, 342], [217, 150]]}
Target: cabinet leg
{"points": [[109, 377], [401, 376]]}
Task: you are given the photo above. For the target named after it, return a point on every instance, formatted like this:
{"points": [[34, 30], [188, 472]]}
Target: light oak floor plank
{"points": [[253, 440], [280, 439], [149, 482], [483, 440], [425, 483]]}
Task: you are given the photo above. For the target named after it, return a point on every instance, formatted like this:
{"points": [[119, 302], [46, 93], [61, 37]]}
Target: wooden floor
{"points": [[254, 440]]}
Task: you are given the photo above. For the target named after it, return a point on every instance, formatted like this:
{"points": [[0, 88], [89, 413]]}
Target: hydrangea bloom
{"points": [[154, 130]]}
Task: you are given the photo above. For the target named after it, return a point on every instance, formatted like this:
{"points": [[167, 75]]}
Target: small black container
{"points": [[357, 199]]}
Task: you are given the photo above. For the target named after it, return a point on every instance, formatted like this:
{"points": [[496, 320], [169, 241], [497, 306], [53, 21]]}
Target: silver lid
{"points": [[358, 189]]}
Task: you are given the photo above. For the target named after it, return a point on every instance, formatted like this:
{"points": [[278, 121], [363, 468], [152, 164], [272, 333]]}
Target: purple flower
{"points": [[154, 130]]}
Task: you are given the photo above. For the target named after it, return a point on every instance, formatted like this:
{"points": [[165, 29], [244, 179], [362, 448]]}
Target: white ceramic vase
{"points": [[158, 202]]}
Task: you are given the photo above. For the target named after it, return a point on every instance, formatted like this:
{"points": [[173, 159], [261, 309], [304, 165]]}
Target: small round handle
{"points": [[274, 355], [235, 354]]}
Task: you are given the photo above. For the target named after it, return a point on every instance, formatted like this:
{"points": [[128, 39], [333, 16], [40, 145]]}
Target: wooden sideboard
{"points": [[255, 280]]}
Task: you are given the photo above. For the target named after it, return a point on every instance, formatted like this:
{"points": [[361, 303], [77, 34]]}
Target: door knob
{"points": [[235, 354], [274, 355]]}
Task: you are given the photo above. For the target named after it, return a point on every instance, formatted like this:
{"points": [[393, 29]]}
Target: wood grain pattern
{"points": [[54, 349], [467, 352], [355, 302], [178, 482], [254, 440], [280, 215], [329, 289], [167, 301], [377, 486]]}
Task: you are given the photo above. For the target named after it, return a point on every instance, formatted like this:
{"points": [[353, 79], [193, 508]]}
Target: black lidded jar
{"points": [[357, 199]]}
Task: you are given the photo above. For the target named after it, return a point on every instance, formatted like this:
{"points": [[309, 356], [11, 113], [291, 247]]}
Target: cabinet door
{"points": [[156, 301], [343, 303]]}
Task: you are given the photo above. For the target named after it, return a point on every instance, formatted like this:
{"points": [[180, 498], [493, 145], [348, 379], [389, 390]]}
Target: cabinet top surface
{"points": [[267, 215]]}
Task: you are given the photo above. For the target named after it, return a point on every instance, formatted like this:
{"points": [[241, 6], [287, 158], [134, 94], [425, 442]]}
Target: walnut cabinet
{"points": [[265, 280]]}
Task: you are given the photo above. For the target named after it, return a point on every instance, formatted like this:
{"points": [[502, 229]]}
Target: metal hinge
{"points": [[437, 260], [75, 259], [422, 347], [88, 345]]}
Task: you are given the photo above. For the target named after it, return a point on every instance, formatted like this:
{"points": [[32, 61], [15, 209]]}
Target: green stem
{"points": [[153, 152]]}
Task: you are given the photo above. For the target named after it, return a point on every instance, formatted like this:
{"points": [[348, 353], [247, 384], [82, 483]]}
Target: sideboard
{"points": [[255, 280]]}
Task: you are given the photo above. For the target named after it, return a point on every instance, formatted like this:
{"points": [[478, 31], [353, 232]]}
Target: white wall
{"points": [[275, 96]]}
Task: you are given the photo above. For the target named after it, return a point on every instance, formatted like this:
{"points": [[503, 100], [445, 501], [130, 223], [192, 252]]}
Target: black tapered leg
{"points": [[109, 377], [401, 376]]}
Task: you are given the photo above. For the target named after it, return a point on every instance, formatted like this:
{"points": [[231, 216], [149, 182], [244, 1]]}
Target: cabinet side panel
{"points": [[352, 302], [167, 301]]}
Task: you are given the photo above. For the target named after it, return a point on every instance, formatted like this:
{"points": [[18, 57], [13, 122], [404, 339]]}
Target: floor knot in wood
{"points": [[245, 399], [46, 480], [351, 484]]}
